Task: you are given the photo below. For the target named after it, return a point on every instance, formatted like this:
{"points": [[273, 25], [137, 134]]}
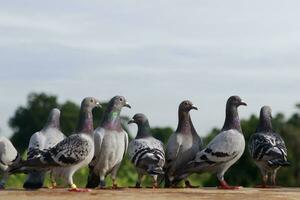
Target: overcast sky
{"points": [[155, 53]]}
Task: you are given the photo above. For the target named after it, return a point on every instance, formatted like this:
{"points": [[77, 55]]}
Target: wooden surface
{"points": [[155, 194]]}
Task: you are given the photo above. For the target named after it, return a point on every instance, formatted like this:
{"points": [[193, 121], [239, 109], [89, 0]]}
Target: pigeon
{"points": [[146, 152], [73, 152], [111, 142], [46, 138], [8, 157], [267, 148], [182, 145], [223, 150]]}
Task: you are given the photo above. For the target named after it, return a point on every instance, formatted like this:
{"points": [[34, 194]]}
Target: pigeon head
{"points": [[111, 119], [232, 120], [235, 101], [185, 124], [143, 125], [138, 118], [266, 111], [118, 102], [90, 103], [186, 106], [53, 119], [85, 123], [265, 120]]}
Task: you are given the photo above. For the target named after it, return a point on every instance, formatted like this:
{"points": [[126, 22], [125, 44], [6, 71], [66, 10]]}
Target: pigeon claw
{"points": [[79, 190], [224, 186]]}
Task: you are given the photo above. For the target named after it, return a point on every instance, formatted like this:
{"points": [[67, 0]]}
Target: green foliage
{"points": [[162, 134]]}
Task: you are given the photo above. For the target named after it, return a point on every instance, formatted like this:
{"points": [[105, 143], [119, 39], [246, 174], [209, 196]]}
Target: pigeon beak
{"points": [[243, 104], [131, 121], [194, 107], [98, 104], [127, 105]]}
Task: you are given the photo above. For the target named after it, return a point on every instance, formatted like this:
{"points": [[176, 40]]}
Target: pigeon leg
{"points": [[114, 176], [53, 182], [139, 181], [188, 184], [115, 185], [154, 184], [102, 182], [225, 186], [273, 178], [3, 181], [75, 189], [264, 180]]}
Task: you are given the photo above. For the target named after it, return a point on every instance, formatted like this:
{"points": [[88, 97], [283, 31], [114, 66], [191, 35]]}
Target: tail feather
{"points": [[155, 170], [93, 179], [35, 180], [278, 162]]}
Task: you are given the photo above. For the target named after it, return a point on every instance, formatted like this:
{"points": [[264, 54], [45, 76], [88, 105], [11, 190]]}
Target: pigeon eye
{"points": [[92, 100], [121, 99]]}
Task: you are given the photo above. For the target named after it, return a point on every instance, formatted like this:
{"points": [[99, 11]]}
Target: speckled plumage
{"points": [[8, 157], [72, 152], [267, 148]]}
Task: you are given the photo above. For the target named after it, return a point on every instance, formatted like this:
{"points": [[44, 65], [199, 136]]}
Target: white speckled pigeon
{"points": [[73, 152], [223, 151], [8, 157], [146, 152], [267, 148], [46, 138], [182, 145], [111, 142]]}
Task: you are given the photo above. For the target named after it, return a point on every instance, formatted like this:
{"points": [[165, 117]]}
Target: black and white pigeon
{"points": [[73, 152], [8, 157], [44, 139], [267, 148], [223, 151], [111, 143], [145, 152], [182, 145]]}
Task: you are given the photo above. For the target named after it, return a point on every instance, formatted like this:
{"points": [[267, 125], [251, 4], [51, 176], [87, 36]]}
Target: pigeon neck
{"points": [[232, 120], [185, 124], [143, 130], [52, 122], [265, 124], [85, 124], [112, 119]]}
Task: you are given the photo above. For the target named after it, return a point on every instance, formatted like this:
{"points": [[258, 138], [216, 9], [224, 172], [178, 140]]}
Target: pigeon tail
{"points": [[278, 162], [93, 179], [35, 180], [155, 170], [167, 181]]}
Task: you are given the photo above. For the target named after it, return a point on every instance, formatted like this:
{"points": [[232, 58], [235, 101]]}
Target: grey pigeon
{"points": [[182, 145], [146, 152], [267, 148], [73, 152], [111, 142], [46, 138], [223, 150], [8, 157]]}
